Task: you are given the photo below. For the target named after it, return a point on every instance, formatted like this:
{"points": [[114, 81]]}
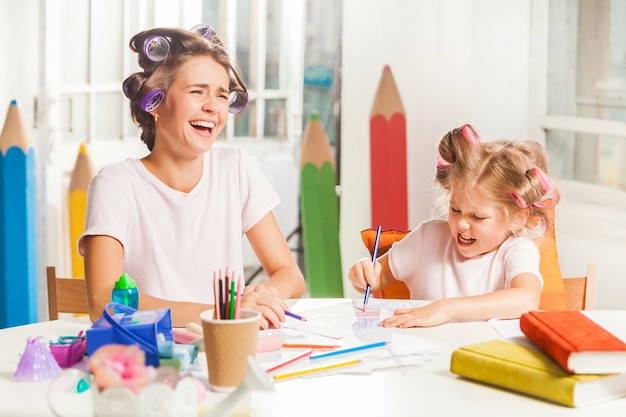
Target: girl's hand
{"points": [[432, 314], [363, 273], [264, 299]]}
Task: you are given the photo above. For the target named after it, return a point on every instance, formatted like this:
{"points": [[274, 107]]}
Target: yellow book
{"points": [[530, 371]]}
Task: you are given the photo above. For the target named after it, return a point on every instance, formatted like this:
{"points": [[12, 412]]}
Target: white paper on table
{"points": [[507, 328]]}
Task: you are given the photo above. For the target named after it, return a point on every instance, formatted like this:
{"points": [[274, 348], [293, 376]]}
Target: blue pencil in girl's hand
{"points": [[374, 255]]}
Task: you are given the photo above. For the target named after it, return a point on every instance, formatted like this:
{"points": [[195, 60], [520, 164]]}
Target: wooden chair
{"points": [[581, 291], [65, 295]]}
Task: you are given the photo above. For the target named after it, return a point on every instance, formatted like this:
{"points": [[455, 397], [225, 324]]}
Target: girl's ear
{"points": [[518, 223]]}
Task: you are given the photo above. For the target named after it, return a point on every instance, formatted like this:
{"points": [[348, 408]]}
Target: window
{"points": [[586, 121]]}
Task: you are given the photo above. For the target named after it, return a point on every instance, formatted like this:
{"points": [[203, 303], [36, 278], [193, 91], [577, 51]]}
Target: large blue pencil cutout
{"points": [[18, 222]]}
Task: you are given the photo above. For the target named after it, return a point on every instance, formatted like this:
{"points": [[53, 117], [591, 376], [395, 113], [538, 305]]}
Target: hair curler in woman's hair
{"points": [[156, 48], [203, 30], [132, 86], [237, 101], [151, 100]]}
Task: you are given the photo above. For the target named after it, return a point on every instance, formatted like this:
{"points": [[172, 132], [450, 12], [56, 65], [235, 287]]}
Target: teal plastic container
{"points": [[125, 292]]}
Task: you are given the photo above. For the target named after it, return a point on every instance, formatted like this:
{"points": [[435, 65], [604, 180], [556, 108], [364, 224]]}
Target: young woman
{"points": [[480, 262], [176, 217]]}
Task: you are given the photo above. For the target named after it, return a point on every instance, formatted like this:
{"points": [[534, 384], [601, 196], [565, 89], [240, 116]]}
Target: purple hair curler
{"points": [[156, 48], [202, 30], [237, 101], [151, 101]]}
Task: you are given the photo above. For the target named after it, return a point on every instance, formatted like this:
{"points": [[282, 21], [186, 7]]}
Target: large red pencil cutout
{"points": [[388, 166]]}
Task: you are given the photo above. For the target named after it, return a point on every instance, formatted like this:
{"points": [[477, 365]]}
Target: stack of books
{"points": [[575, 358]]}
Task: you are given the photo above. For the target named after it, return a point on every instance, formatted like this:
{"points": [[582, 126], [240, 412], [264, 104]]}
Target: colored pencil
{"points": [[294, 315], [319, 210], [226, 296], [296, 358], [18, 222], [233, 294], [368, 288], [348, 350], [239, 295], [388, 164], [81, 177], [314, 370], [308, 346], [216, 296]]}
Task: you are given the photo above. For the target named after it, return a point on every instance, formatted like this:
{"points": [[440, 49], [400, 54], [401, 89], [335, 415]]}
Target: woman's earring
{"points": [[156, 117]]}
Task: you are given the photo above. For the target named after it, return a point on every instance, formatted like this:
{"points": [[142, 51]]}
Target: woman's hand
{"points": [[265, 299]]}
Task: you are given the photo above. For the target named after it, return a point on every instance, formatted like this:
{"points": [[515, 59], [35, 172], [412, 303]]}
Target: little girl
{"points": [[481, 262]]}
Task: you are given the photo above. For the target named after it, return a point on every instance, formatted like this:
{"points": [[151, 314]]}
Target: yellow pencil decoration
{"points": [[81, 176]]}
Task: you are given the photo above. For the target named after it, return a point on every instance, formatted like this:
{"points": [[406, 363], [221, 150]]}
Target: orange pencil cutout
{"points": [[296, 358]]}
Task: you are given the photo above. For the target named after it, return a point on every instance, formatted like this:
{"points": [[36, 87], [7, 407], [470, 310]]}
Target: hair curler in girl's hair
{"points": [[469, 133], [546, 187]]}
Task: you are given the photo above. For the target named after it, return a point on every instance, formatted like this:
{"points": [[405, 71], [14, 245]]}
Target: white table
{"points": [[426, 390]]}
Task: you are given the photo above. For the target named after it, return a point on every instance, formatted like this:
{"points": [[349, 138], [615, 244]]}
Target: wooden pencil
{"points": [[18, 222], [319, 207], [388, 165], [81, 177]]}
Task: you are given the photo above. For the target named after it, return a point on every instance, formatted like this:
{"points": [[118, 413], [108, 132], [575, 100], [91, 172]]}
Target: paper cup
{"points": [[227, 344]]}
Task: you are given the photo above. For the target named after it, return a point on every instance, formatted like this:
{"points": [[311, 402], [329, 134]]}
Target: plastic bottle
{"points": [[125, 292]]}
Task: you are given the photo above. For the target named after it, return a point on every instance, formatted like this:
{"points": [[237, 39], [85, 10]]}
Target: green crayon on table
{"points": [[319, 207]]}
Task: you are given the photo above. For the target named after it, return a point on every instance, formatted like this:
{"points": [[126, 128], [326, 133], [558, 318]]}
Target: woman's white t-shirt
{"points": [[429, 263], [174, 241]]}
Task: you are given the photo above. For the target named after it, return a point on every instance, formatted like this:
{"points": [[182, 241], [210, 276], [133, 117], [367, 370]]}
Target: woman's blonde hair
{"points": [[511, 175]]}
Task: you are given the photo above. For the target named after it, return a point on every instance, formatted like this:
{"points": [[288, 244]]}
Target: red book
{"points": [[582, 342]]}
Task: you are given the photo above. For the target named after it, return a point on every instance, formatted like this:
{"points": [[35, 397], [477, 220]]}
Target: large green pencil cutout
{"points": [[319, 206]]}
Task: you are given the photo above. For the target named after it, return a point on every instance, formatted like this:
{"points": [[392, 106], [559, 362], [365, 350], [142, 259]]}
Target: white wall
{"points": [[456, 62]]}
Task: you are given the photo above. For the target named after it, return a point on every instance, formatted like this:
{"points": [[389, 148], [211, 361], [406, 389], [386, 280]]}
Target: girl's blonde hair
{"points": [[511, 175]]}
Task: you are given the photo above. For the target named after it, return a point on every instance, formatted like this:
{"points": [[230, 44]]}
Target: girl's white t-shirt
{"points": [[174, 241], [429, 263]]}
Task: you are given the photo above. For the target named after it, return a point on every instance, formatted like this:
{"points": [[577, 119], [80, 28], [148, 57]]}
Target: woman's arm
{"points": [[103, 257], [285, 278], [523, 296]]}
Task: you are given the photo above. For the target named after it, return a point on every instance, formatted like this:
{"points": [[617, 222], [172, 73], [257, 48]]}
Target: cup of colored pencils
{"points": [[228, 343]]}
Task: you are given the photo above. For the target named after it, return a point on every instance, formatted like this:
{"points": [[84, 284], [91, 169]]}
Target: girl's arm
{"points": [[523, 296], [285, 278], [103, 266]]}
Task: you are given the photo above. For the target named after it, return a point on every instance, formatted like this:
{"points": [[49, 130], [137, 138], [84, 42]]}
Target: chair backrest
{"points": [[65, 295], [581, 291]]}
